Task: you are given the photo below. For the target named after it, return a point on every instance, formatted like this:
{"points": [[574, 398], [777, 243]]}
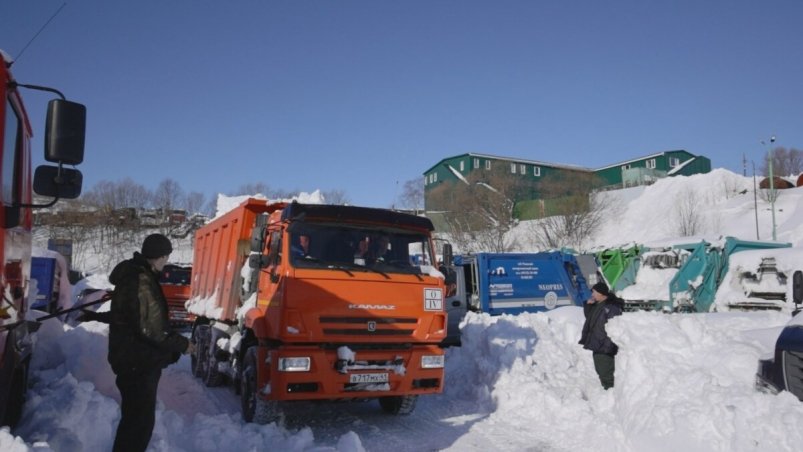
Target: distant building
{"points": [[646, 170], [460, 169]]}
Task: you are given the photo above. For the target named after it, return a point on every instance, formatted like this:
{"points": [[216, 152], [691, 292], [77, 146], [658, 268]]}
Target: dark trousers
{"points": [[138, 408], [605, 365]]}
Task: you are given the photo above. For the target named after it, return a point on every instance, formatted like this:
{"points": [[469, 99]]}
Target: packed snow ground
{"points": [[683, 381]]}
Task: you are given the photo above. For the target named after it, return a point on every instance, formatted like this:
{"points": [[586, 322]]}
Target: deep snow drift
{"points": [[683, 381]]}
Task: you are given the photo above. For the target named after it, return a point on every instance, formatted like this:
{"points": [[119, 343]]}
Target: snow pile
{"points": [[683, 382], [227, 203]]}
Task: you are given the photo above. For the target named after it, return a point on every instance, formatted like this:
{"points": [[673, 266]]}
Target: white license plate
{"points": [[368, 378]]}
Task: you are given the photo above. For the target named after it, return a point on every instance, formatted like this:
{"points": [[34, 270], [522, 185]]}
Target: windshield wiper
{"points": [[371, 269], [331, 265]]}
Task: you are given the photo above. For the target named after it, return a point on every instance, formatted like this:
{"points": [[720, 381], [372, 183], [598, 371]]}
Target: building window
{"points": [[462, 166], [425, 181], [523, 169], [673, 162], [476, 163], [625, 167], [435, 177], [651, 163], [536, 171], [487, 164], [512, 168]]}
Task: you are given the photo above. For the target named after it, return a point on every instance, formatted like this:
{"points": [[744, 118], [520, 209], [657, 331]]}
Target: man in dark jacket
{"points": [[141, 342], [602, 306]]}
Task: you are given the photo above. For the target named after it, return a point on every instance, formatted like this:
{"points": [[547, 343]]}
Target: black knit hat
{"points": [[601, 288], [155, 246]]}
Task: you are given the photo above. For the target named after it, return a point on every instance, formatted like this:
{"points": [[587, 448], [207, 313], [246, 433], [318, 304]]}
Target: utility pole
{"points": [[755, 197], [772, 187]]}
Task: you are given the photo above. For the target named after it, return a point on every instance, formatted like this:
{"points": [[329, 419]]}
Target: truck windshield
{"points": [[325, 245]]}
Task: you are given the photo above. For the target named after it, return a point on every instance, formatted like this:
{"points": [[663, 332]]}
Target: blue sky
{"points": [[362, 96]]}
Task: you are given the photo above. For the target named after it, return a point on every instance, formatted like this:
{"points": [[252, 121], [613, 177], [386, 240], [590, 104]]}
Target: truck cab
{"points": [[64, 145]]}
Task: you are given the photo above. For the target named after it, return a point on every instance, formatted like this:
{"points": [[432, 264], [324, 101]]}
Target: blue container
{"points": [[43, 270], [512, 283]]}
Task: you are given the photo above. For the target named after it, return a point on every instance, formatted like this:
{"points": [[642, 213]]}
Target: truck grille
{"points": [[368, 326]]}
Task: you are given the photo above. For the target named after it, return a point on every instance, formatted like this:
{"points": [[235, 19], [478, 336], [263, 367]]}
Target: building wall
{"points": [[643, 170]]}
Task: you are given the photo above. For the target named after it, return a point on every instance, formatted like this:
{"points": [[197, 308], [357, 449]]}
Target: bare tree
{"points": [[479, 212], [194, 202], [257, 188], [168, 195], [785, 162], [689, 219], [117, 195], [571, 211], [335, 196], [412, 196]]}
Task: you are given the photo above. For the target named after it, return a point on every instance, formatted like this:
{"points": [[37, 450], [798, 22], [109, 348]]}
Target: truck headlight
{"points": [[296, 364], [432, 361]]}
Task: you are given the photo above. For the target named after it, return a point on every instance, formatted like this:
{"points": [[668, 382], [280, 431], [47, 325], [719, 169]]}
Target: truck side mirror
{"points": [[448, 257], [57, 182], [65, 132], [797, 287]]}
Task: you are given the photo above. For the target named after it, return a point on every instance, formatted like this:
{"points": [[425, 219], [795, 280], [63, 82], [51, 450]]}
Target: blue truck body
{"points": [[512, 283], [44, 271]]}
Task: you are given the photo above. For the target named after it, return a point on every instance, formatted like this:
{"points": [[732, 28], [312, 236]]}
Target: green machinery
{"points": [[620, 265], [694, 287]]}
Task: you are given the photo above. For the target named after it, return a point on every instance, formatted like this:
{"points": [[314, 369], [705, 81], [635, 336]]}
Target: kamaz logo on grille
{"points": [[385, 307], [371, 326]]}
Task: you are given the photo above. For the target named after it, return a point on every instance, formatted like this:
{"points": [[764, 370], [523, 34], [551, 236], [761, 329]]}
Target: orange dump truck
{"points": [[175, 282], [317, 302]]}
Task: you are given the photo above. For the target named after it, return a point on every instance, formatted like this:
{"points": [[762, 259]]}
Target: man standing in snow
{"points": [[141, 342], [602, 306]]}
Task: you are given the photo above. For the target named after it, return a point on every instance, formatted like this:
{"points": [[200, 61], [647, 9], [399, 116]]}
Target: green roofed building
{"points": [[647, 170], [475, 168]]}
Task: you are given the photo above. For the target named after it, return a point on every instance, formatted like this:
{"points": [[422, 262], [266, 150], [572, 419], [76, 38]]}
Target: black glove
{"points": [[88, 316]]}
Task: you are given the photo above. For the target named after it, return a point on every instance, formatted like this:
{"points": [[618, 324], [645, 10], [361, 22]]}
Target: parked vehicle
{"points": [[784, 370], [64, 145], [512, 283], [317, 302], [46, 273], [695, 285], [175, 281]]}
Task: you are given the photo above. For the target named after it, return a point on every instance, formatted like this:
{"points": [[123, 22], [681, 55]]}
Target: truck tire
{"points": [[401, 405], [254, 408], [199, 359], [212, 377]]}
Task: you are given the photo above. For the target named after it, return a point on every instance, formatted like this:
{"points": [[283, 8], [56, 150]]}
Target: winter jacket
{"points": [[594, 337], [140, 337]]}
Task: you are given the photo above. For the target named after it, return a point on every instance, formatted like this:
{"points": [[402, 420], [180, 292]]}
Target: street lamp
{"points": [[755, 198], [772, 186]]}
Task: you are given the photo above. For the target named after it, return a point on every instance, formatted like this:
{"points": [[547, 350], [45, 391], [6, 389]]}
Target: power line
{"points": [[40, 30]]}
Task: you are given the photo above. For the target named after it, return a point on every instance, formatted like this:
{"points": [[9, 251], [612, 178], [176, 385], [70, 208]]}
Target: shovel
{"points": [[33, 325]]}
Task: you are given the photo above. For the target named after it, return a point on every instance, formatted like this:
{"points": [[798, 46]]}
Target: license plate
{"points": [[368, 378]]}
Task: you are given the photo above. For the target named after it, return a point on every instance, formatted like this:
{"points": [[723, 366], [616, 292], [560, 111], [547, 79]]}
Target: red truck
{"points": [[317, 302], [64, 145]]}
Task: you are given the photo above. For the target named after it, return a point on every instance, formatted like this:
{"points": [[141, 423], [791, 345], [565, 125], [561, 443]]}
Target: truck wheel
{"points": [[401, 405], [255, 408], [213, 377], [200, 357]]}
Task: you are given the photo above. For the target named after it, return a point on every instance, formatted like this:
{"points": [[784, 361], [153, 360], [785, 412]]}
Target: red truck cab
{"points": [[64, 144]]}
